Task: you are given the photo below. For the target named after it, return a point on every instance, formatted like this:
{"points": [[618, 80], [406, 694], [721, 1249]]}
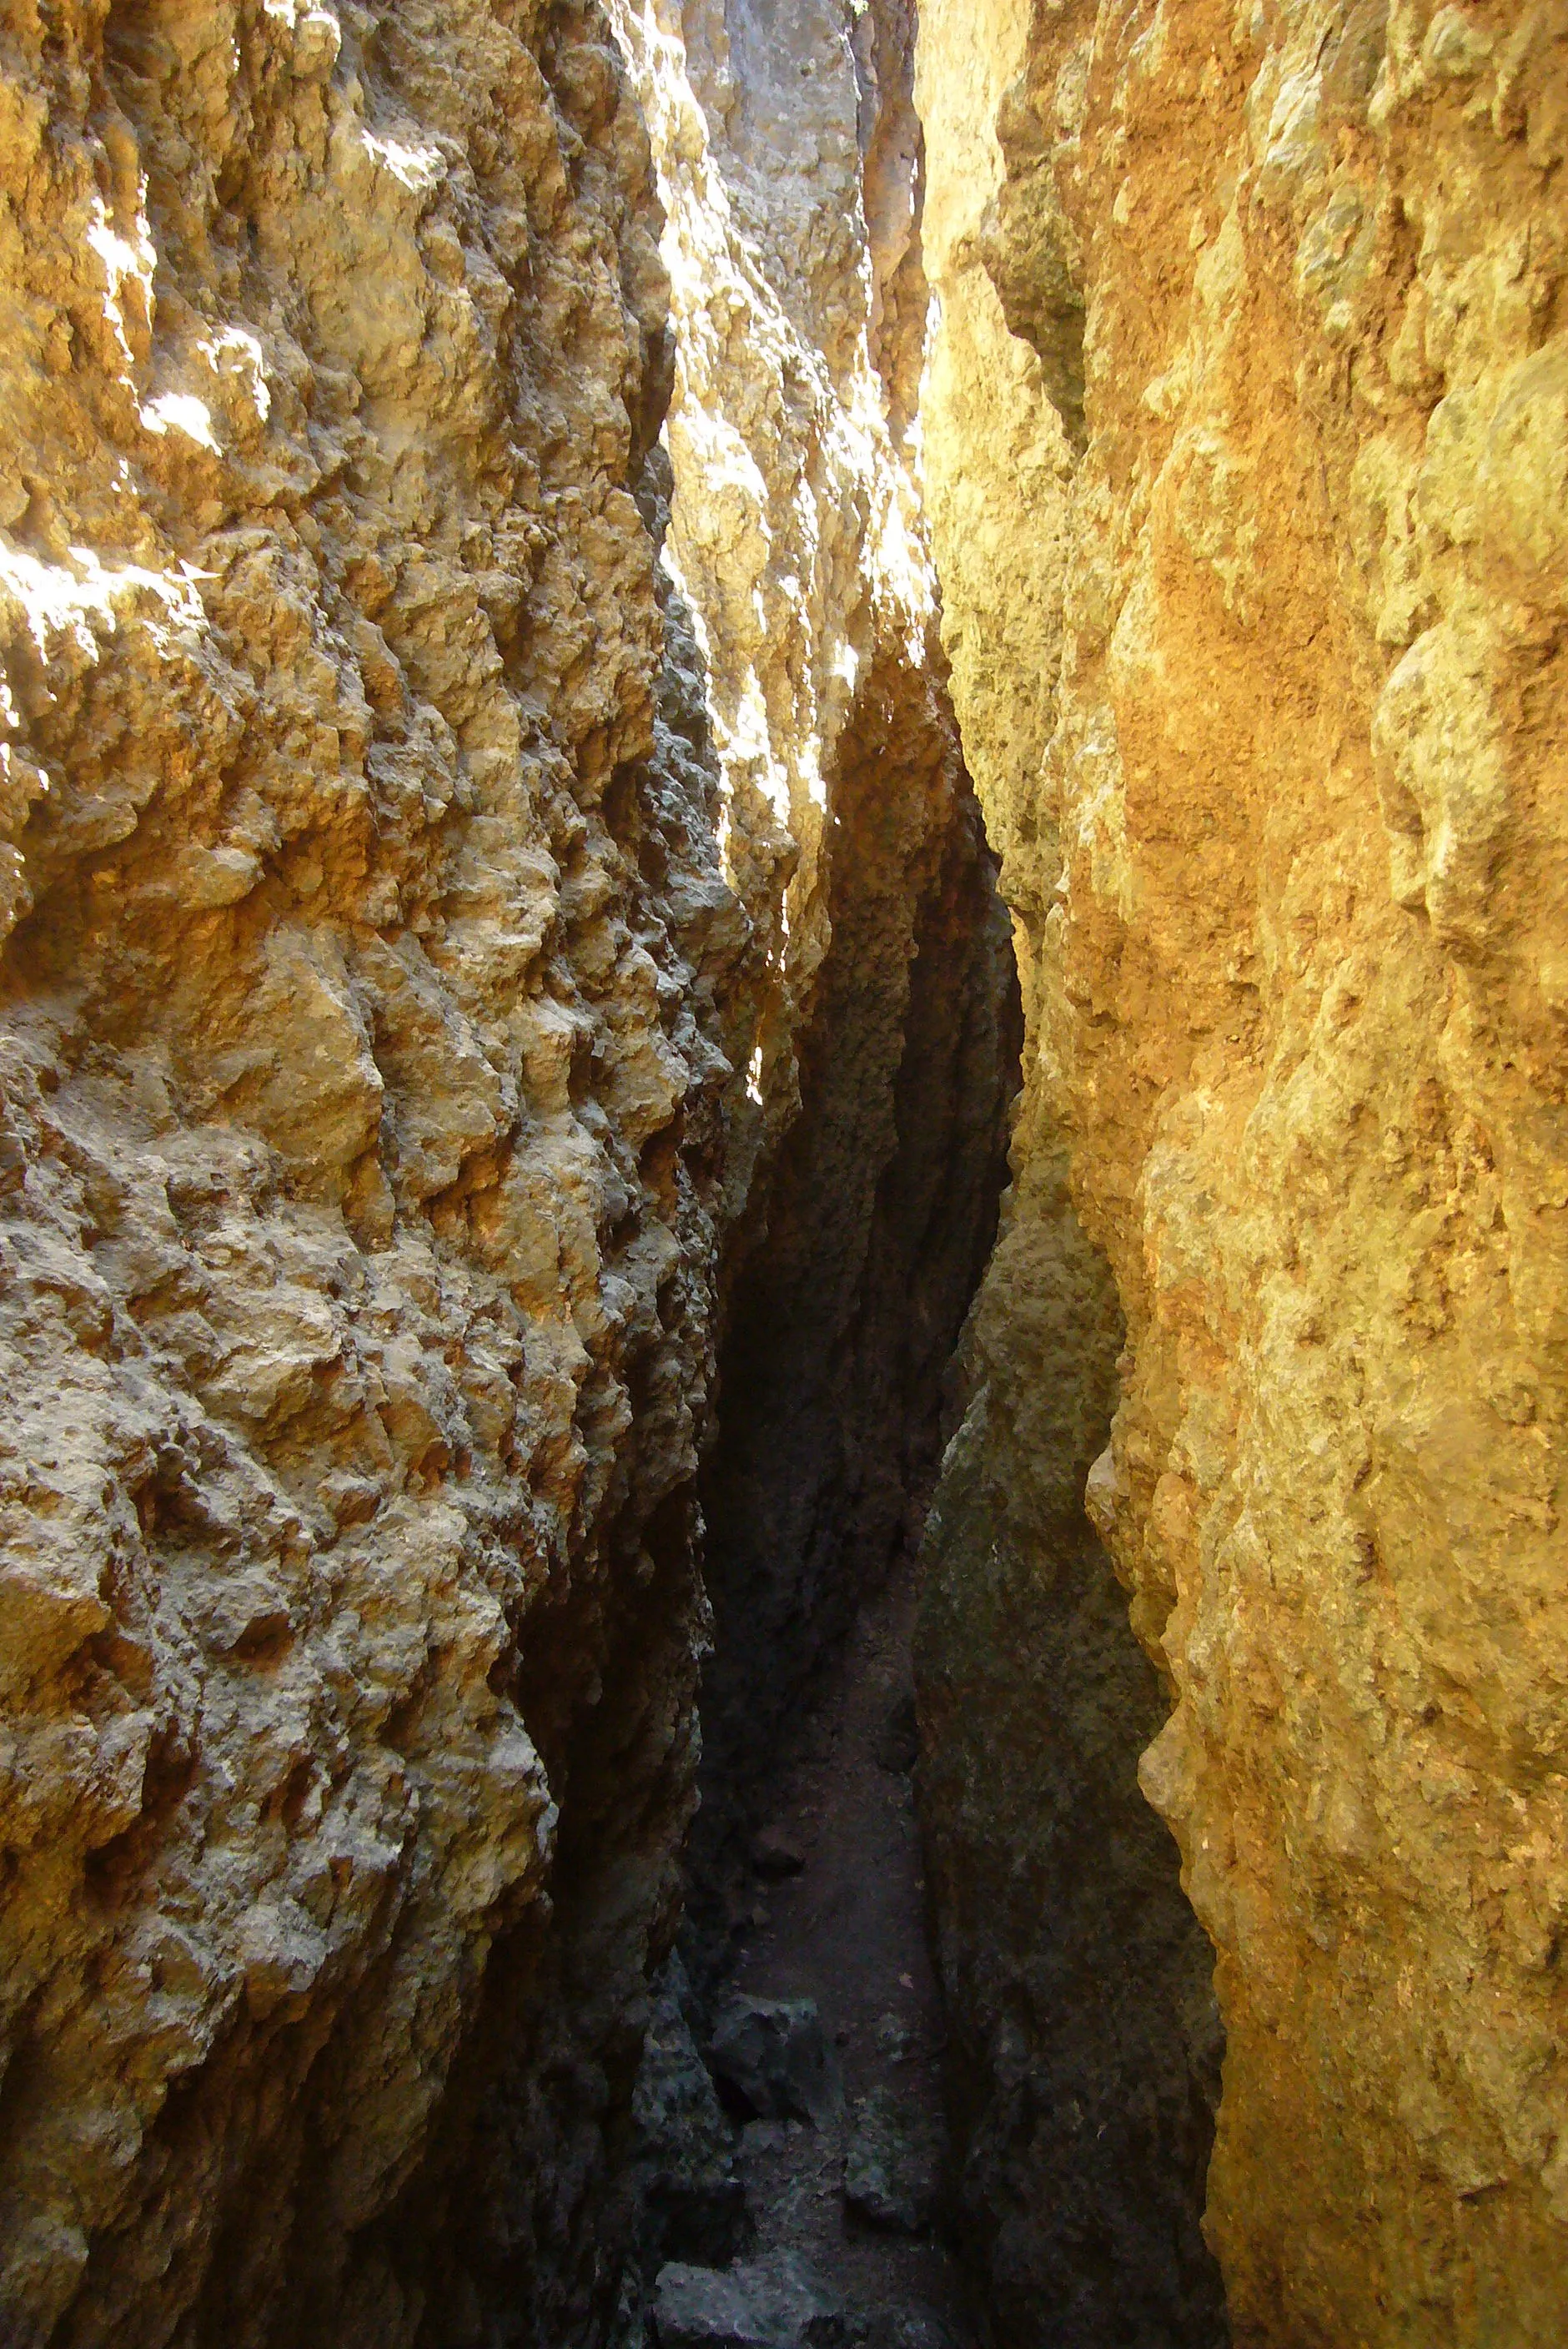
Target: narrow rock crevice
{"points": [[1084, 2044], [617, 618], [872, 1232], [804, 1882]]}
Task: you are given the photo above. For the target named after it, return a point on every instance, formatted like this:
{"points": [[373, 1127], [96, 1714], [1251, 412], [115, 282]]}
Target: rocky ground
{"points": [[797, 2176]]}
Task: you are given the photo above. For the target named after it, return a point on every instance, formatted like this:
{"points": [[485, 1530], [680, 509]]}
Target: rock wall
{"points": [[372, 994], [789, 165], [452, 963], [1253, 544]]}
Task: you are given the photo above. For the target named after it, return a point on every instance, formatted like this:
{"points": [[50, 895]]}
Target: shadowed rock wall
{"points": [[1084, 2046], [1246, 429], [1083, 2063]]}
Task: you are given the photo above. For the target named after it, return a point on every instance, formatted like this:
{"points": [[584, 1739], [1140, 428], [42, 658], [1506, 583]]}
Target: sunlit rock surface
{"points": [[1083, 2061], [368, 984], [1251, 535], [432, 929]]}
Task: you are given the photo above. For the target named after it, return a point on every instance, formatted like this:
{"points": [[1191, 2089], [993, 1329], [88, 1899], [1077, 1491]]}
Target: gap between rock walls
{"points": [[1077, 2056]]}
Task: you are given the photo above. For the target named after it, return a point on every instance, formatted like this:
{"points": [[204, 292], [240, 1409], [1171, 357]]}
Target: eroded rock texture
{"points": [[788, 159], [1252, 541], [372, 987], [432, 927]]}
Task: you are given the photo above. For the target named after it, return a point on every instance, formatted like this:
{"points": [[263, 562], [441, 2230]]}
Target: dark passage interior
{"points": [[936, 2057], [856, 1267], [854, 1271]]}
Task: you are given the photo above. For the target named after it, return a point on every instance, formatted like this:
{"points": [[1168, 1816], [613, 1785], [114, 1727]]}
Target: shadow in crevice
{"points": [[879, 1217], [1084, 2038]]}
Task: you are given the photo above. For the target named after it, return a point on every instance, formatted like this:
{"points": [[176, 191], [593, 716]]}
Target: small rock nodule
{"points": [[776, 1853], [898, 1747], [691, 2204], [777, 2303], [892, 2166]]}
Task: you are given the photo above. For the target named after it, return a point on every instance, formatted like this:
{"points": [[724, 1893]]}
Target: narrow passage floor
{"points": [[839, 1918]]}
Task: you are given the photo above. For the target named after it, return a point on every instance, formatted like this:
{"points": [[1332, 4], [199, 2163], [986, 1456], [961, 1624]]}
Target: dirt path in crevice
{"points": [[848, 1930]]}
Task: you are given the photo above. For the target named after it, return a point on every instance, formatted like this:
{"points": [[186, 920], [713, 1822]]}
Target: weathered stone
{"points": [[425, 919], [890, 2326], [372, 989], [1258, 669], [1082, 2057], [776, 1853], [893, 2038], [690, 2204], [773, 2053], [892, 2164], [777, 2303]]}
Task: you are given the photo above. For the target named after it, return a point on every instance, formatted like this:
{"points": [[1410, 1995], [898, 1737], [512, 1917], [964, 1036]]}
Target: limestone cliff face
{"points": [[368, 973], [1252, 543], [871, 1134]]}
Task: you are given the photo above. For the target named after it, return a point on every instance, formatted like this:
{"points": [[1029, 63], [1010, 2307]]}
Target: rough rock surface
{"points": [[1255, 578], [429, 928], [892, 2165], [777, 2303], [848, 1934], [1083, 2056], [689, 2202], [772, 2053], [371, 988]]}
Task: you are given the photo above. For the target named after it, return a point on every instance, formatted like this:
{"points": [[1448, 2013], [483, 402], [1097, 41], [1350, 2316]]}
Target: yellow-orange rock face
{"points": [[1259, 654]]}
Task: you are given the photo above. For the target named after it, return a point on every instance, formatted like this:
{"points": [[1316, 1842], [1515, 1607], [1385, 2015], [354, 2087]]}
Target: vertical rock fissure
{"points": [[1084, 2040], [883, 995], [877, 1220], [804, 1871]]}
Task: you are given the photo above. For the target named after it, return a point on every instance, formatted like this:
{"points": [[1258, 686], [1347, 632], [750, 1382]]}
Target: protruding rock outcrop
{"points": [[1258, 660], [369, 985]]}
